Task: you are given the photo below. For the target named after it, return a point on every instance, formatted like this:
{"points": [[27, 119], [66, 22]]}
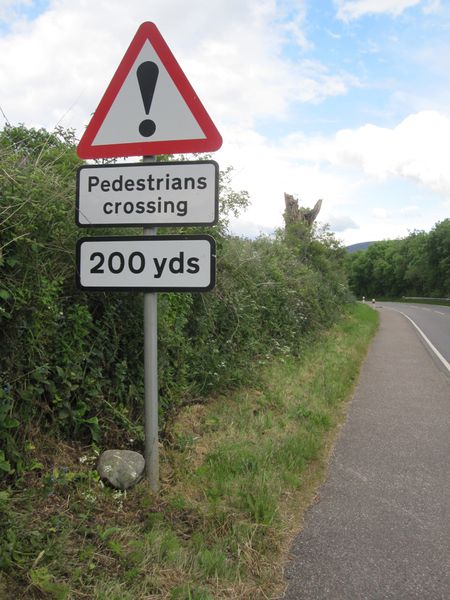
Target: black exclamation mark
{"points": [[147, 74]]}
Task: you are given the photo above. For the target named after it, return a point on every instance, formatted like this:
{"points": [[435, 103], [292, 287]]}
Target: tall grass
{"points": [[237, 473]]}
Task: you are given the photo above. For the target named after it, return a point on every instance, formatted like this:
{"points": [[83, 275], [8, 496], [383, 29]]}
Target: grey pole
{"points": [[151, 452]]}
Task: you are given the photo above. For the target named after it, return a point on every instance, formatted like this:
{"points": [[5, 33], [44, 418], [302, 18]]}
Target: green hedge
{"points": [[72, 362]]}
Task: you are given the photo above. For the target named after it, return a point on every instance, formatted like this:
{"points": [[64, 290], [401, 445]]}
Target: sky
{"points": [[343, 100]]}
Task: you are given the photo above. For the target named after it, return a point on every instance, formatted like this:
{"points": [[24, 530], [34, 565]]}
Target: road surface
{"points": [[381, 527], [433, 320]]}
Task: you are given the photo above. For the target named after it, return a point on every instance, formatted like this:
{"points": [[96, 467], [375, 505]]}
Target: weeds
{"points": [[232, 484]]}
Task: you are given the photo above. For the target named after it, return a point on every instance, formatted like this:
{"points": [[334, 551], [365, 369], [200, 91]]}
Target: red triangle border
{"points": [[211, 142]]}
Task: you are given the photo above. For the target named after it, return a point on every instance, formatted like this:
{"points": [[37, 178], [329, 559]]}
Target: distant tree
{"points": [[438, 250], [415, 265], [418, 265]]}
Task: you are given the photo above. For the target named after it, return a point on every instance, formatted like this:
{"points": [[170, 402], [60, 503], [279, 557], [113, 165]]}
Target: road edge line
{"points": [[433, 348]]}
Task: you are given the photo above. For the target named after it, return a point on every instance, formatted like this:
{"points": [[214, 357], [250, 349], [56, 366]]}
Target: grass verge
{"points": [[237, 475]]}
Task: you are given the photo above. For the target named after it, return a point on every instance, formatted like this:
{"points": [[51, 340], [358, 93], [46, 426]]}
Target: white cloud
{"points": [[249, 229], [432, 6], [354, 9], [409, 210], [416, 149], [380, 213], [10, 9], [351, 171], [231, 51], [342, 223], [246, 60], [267, 170], [58, 65]]}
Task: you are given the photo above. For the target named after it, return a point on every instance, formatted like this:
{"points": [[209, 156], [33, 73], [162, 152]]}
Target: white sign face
{"points": [[146, 194], [150, 263], [121, 124]]}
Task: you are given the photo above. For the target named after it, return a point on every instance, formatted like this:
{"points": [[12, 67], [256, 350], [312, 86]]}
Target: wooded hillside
{"points": [[418, 265]]}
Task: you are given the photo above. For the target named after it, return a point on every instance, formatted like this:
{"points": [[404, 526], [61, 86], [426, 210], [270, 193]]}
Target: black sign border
{"points": [[149, 224], [208, 238]]}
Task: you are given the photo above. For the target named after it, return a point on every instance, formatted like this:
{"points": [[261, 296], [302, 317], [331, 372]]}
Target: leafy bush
{"points": [[72, 362]]}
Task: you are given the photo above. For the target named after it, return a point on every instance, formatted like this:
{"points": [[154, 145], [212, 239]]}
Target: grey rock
{"points": [[121, 468]]}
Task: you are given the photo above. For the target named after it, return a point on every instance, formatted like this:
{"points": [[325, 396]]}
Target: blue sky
{"points": [[344, 100], [393, 60], [12, 11]]}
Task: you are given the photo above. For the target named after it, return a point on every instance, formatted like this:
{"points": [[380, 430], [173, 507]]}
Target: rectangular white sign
{"points": [[150, 263], [147, 194]]}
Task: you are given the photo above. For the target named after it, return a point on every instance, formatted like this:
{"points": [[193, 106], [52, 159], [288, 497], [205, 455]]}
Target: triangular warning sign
{"points": [[149, 107]]}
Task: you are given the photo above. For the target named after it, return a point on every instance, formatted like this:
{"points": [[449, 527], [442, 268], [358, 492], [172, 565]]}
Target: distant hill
{"points": [[358, 247]]}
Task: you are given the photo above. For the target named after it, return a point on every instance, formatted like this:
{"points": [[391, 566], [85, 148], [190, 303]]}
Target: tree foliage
{"points": [[71, 362], [418, 265]]}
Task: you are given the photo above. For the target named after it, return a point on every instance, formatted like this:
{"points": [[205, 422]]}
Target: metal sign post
{"points": [[151, 451]]}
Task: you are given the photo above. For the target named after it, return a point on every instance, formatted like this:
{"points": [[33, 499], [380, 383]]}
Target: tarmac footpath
{"points": [[381, 526]]}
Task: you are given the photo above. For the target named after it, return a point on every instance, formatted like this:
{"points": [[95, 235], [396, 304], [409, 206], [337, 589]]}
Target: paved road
{"points": [[381, 529], [433, 320]]}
